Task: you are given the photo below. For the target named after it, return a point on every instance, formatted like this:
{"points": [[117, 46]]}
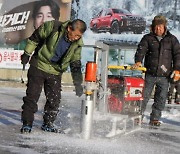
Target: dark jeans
{"points": [[174, 85], [52, 89], [160, 95]]}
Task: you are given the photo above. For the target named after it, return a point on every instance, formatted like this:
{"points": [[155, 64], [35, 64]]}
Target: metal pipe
{"points": [[87, 117]]}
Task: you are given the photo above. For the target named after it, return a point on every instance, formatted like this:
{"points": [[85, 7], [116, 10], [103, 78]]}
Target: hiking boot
{"points": [[26, 129], [169, 101], [50, 128], [155, 123]]}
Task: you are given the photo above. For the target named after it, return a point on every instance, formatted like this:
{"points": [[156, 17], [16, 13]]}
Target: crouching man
{"points": [[55, 46]]}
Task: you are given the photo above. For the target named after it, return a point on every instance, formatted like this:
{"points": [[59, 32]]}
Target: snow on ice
{"points": [[142, 140]]}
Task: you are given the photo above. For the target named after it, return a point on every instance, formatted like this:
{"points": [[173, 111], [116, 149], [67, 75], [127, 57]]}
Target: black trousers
{"points": [[174, 85], [52, 89]]}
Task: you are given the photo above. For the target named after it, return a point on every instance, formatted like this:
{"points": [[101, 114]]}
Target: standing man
{"points": [[174, 84], [56, 46], [161, 53]]}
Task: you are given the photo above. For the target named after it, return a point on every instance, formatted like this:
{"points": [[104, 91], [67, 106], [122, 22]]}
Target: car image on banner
{"points": [[117, 21]]}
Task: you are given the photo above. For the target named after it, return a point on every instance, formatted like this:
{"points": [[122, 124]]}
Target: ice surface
{"points": [[144, 140]]}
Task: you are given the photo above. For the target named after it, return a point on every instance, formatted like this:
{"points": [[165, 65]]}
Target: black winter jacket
{"points": [[160, 57]]}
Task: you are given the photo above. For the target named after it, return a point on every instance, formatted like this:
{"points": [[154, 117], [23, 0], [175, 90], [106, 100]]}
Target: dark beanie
{"points": [[159, 19]]}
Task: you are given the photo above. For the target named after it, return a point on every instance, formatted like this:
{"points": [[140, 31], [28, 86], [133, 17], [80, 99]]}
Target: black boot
{"points": [[51, 128], [177, 98], [169, 99], [26, 128]]}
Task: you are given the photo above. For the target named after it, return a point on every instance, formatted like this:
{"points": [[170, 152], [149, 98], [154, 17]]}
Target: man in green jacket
{"points": [[54, 46]]}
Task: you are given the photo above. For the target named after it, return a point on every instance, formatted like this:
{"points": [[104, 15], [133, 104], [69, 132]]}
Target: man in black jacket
{"points": [[174, 84], [161, 53]]}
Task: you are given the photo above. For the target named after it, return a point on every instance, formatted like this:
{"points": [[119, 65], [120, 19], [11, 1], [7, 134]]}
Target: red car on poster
{"points": [[117, 21]]}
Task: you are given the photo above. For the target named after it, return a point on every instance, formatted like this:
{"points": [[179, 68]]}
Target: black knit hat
{"points": [[159, 19]]}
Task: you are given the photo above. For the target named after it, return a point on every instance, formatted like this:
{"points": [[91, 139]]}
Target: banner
{"points": [[10, 58], [124, 23], [18, 20]]}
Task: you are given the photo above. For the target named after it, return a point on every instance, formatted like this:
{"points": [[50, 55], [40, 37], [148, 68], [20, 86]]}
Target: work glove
{"points": [[24, 58], [175, 75], [79, 90], [77, 77], [136, 65]]}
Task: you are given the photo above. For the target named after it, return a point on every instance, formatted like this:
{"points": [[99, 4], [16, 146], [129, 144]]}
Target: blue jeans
{"points": [[160, 95]]}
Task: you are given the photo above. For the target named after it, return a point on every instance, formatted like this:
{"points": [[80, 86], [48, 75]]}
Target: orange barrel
{"points": [[91, 68]]}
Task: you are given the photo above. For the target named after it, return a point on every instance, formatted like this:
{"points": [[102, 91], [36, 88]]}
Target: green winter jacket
{"points": [[43, 43]]}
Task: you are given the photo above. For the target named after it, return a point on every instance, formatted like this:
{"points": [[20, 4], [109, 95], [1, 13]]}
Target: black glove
{"points": [[24, 59], [79, 90]]}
